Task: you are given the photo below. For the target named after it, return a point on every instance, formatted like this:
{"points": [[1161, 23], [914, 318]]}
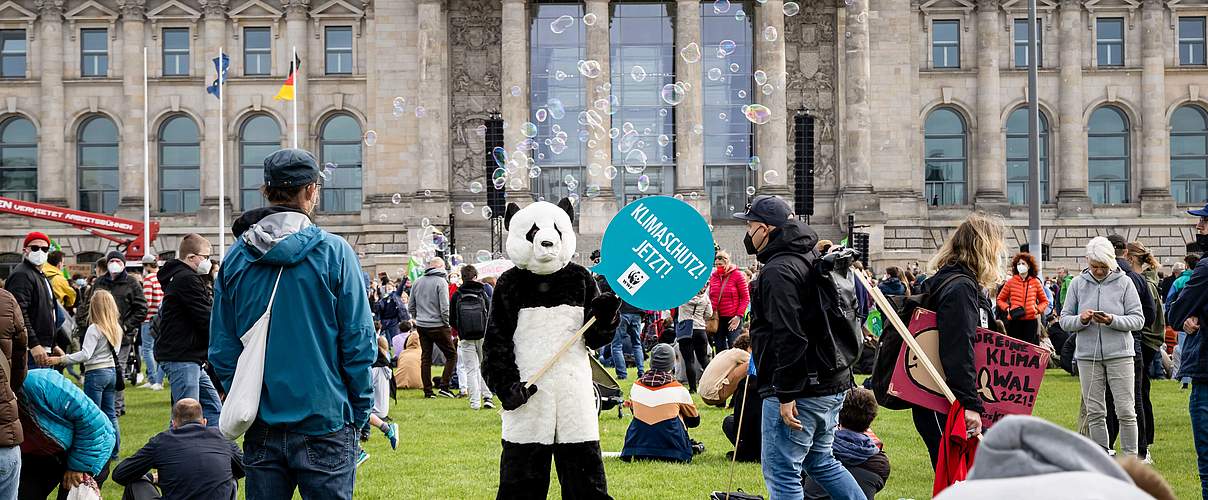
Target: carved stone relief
{"points": [[810, 63], [474, 67]]}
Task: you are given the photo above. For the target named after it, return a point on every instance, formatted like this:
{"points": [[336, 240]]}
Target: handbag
{"points": [[243, 400], [120, 385], [714, 321], [1016, 313]]}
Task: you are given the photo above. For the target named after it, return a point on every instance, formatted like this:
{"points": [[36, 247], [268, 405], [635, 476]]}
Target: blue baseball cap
{"points": [[290, 167], [768, 209], [1203, 212]]}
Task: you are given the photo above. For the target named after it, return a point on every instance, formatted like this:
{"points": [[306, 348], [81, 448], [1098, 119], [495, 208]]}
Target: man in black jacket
{"points": [[469, 309], [183, 338], [33, 293], [131, 309], [194, 461], [801, 401], [1139, 365]]}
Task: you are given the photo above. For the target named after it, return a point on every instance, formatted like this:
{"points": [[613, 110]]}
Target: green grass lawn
{"points": [[449, 451]]}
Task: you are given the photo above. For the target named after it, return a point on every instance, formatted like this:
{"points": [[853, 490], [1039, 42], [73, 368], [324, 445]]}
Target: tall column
{"points": [[53, 179], [991, 169], [1071, 194], [856, 154], [690, 146], [771, 138], [515, 75], [599, 209], [296, 26], [130, 163], [1155, 150], [433, 95], [215, 39]]}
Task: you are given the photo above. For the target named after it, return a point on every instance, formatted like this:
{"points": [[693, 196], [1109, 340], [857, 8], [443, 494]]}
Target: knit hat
{"points": [[35, 235], [662, 358], [1100, 250], [115, 255]]}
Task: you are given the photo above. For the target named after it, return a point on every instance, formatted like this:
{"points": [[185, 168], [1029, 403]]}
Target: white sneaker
{"points": [[157, 387], [146, 386], [139, 378], [1111, 453], [1148, 458]]}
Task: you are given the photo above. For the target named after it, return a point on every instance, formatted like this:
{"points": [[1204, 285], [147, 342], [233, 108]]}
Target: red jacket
{"points": [[732, 300], [1028, 294]]}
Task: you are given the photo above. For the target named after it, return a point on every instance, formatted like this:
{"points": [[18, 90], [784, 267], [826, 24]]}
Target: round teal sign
{"points": [[657, 253]]}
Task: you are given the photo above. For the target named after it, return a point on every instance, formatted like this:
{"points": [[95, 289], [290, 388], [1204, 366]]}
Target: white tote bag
{"points": [[243, 400]]}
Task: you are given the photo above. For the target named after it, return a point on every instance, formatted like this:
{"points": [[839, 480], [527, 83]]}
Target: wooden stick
{"points": [[890, 313], [565, 347]]}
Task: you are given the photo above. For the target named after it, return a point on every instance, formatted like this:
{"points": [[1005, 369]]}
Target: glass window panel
{"points": [[176, 178], [1188, 169], [1021, 43], [179, 129], [945, 40], [257, 51], [1189, 154], [944, 121], [1188, 145], [341, 191], [12, 66], [341, 128], [1108, 169], [180, 155], [18, 131], [727, 140], [94, 52], [98, 156], [1106, 146], [13, 51], [261, 128], [18, 156], [642, 34], [192, 200], [19, 180], [338, 41], [1189, 119], [1108, 119], [1110, 41], [1111, 29], [99, 130], [99, 178], [946, 31], [176, 51], [944, 167], [170, 201], [252, 176], [259, 137]]}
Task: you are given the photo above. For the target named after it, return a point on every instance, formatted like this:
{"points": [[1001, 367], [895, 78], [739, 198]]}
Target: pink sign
{"points": [[1009, 371]]}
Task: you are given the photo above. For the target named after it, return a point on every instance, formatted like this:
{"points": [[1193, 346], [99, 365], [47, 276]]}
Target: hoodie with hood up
{"points": [[321, 339]]}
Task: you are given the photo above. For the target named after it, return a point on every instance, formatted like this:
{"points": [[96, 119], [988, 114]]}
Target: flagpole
{"points": [[146, 163], [221, 162], [293, 63]]}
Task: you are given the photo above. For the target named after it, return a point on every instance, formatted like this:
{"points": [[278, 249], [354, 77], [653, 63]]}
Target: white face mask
{"points": [[203, 267], [116, 267], [1022, 268], [36, 258]]}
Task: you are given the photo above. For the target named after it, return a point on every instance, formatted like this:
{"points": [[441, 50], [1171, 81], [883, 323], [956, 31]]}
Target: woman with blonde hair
{"points": [[98, 353], [1146, 344], [966, 266]]}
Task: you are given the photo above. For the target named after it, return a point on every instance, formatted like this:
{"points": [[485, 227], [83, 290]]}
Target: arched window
{"points": [[340, 146], [945, 140], [1107, 154], [18, 159], [179, 165], [258, 138], [1189, 155], [97, 157], [1018, 154]]}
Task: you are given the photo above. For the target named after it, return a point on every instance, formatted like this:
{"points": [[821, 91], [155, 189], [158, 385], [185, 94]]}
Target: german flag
{"points": [[287, 90]]}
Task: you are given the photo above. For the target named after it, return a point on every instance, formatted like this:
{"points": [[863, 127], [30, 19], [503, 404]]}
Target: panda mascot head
{"points": [[541, 237]]}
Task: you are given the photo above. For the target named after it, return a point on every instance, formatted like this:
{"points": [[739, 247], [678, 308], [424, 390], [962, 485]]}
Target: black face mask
{"points": [[750, 245], [1202, 241]]}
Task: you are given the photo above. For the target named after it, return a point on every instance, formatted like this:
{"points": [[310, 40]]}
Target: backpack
{"points": [[890, 345], [840, 349], [472, 310], [388, 308]]}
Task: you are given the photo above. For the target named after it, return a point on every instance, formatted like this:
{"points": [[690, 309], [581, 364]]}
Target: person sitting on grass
{"points": [[742, 382], [662, 413], [856, 447]]}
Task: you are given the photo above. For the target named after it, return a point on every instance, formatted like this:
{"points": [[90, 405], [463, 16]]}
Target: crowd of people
{"points": [[777, 343]]}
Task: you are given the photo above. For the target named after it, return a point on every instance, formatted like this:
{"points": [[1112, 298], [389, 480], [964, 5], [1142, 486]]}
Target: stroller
{"points": [[608, 390]]}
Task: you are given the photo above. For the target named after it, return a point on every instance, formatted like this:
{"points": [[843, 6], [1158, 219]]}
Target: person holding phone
{"points": [[1103, 308], [1023, 298]]}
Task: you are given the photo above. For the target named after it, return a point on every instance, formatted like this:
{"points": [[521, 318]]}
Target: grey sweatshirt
{"points": [[94, 352], [430, 299], [1117, 296], [1027, 457]]}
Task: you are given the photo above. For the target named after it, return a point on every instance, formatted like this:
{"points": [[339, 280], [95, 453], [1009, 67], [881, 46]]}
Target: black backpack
{"points": [[890, 345], [472, 313], [840, 349]]}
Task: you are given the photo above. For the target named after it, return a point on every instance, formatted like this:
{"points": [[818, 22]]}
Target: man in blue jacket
{"points": [[1190, 310], [317, 385]]}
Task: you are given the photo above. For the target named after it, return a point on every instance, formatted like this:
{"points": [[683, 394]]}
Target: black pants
{"points": [[1023, 329], [930, 426], [41, 474], [442, 337], [1147, 355], [694, 349], [1143, 418], [524, 470]]}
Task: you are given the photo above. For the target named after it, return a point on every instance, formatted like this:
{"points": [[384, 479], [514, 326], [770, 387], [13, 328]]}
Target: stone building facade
{"points": [[853, 87]]}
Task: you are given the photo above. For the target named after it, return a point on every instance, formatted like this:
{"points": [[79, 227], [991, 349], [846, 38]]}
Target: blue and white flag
{"points": [[215, 88]]}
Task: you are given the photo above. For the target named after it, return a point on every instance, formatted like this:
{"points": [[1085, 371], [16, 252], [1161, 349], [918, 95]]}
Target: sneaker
{"points": [[444, 393], [362, 458], [146, 386], [1148, 458], [697, 447], [364, 435], [138, 379], [488, 404], [429, 395], [157, 387], [1111, 453], [392, 435]]}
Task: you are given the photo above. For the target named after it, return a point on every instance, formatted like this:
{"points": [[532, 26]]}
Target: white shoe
{"points": [[1148, 458], [1111, 453], [146, 386], [157, 387], [139, 378]]}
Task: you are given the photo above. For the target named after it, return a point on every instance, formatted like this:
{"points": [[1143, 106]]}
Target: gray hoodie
{"points": [[1027, 457], [430, 299], [1117, 296]]}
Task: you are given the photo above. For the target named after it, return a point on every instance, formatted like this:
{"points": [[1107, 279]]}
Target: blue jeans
{"points": [[99, 386], [787, 452], [10, 472], [629, 328], [278, 461], [188, 380], [155, 374], [1198, 408]]}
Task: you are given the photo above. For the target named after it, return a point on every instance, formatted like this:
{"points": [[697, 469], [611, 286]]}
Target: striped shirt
{"points": [[153, 293]]}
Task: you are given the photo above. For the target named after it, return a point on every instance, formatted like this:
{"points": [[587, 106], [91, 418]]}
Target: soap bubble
{"points": [[663, 112], [556, 109], [528, 129], [672, 93], [574, 200], [499, 182], [767, 89], [771, 176], [753, 163], [475, 187], [396, 198], [592, 190], [726, 47], [715, 74], [694, 196], [610, 172], [698, 129], [740, 16], [791, 9], [427, 193], [664, 140], [382, 217], [420, 112], [678, 196], [742, 94], [760, 77], [721, 6], [770, 33], [568, 179], [750, 191], [425, 223], [589, 19], [589, 68], [690, 53], [500, 155], [643, 183], [534, 172], [561, 24], [399, 102], [516, 183], [515, 91], [467, 208], [594, 169], [486, 212], [722, 116], [540, 115], [757, 113], [638, 73], [482, 255], [560, 75], [370, 138], [635, 161], [733, 67]]}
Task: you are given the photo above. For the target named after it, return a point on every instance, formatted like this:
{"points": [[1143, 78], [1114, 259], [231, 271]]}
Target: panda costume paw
{"points": [[537, 307]]}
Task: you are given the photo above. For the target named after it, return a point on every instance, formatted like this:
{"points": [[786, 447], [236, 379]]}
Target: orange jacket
{"points": [[1029, 294]]}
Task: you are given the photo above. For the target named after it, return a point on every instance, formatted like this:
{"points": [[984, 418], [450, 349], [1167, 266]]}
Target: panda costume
{"points": [[537, 306]]}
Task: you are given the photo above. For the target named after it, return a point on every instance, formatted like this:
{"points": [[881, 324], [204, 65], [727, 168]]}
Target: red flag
{"points": [[957, 450]]}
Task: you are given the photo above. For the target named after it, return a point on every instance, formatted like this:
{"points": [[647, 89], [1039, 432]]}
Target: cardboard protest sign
{"points": [[657, 253], [493, 268], [1009, 371]]}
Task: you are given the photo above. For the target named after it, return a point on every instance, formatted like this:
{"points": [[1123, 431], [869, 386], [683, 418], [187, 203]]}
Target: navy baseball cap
{"points": [[290, 167], [1203, 212], [768, 209]]}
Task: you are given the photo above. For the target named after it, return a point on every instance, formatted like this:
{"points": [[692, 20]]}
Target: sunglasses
{"points": [[36, 248]]}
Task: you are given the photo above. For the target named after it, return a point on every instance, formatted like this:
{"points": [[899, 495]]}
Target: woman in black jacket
{"points": [[972, 254]]}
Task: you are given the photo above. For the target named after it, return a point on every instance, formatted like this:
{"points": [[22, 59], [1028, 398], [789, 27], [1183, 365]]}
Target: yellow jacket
{"points": [[62, 289]]}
